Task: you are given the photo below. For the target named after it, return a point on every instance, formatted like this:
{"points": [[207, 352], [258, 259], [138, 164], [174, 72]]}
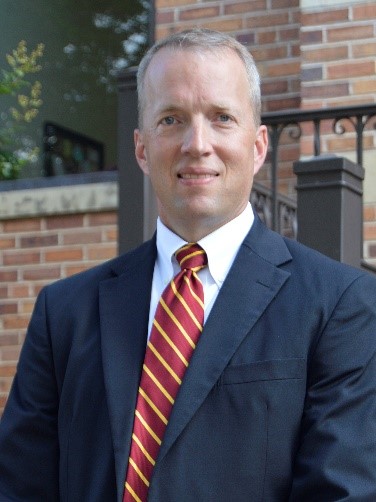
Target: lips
{"points": [[197, 173], [193, 176]]}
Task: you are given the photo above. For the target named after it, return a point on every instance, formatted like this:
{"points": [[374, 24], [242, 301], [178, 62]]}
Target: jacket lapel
{"points": [[124, 312], [252, 283]]}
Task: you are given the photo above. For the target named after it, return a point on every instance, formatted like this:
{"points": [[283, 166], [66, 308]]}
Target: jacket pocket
{"points": [[276, 369]]}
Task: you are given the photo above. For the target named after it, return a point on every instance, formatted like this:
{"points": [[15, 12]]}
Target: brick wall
{"points": [[338, 56], [338, 48], [269, 28], [40, 249]]}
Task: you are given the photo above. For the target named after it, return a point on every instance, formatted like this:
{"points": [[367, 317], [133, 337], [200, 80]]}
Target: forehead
{"points": [[195, 66]]}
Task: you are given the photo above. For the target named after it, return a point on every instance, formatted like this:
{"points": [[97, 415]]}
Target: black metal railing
{"points": [[279, 211]]}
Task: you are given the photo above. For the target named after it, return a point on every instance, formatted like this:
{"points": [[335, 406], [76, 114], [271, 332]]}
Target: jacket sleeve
{"points": [[336, 460], [29, 451]]}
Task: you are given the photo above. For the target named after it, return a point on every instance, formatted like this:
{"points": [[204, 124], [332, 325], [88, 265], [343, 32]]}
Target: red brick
{"points": [[351, 69], [285, 4], [346, 101], [27, 307], [164, 17], [83, 237], [311, 37], [5, 384], [325, 90], [70, 221], [350, 33], [275, 87], [246, 38], [8, 308], [312, 73], [15, 322], [198, 13], [20, 258], [266, 37], [283, 104], [295, 50], [346, 143], [289, 34], [270, 53], [24, 225], [369, 212], [111, 234], [19, 290], [288, 154], [10, 353], [295, 16], [39, 241], [364, 11], [242, 7], [369, 231], [284, 68], [36, 274], [71, 270], [62, 255], [324, 17], [96, 219], [3, 292], [286, 172], [7, 243], [7, 370], [313, 104], [266, 21], [326, 54], [365, 49], [364, 87], [223, 24], [101, 253], [8, 275], [9, 339]]}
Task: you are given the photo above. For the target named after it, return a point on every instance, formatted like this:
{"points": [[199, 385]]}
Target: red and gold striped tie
{"points": [[176, 329]]}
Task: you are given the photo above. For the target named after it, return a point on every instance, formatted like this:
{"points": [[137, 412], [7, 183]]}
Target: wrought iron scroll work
{"points": [[277, 122], [275, 132]]}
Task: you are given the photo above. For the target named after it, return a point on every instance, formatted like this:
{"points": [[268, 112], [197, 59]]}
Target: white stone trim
{"points": [[318, 4], [69, 199]]}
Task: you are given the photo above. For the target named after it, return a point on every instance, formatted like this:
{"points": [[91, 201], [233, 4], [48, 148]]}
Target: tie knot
{"points": [[191, 257]]}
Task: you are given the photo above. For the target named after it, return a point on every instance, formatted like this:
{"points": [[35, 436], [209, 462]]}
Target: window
{"points": [[87, 43]]}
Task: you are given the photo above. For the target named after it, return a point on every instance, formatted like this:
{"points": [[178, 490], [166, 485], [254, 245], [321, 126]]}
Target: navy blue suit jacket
{"points": [[278, 403]]}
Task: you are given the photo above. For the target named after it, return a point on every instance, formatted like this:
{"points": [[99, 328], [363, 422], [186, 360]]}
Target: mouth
{"points": [[193, 176]]}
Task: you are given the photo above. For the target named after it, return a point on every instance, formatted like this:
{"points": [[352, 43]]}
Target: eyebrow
{"points": [[220, 107]]}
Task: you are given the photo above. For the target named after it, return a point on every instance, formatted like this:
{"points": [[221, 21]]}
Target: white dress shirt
{"points": [[221, 247]]}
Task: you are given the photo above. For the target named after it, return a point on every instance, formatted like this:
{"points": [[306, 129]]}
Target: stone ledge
{"points": [[60, 195], [315, 4]]}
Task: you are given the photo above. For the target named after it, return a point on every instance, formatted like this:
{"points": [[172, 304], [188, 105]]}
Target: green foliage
{"points": [[22, 63]]}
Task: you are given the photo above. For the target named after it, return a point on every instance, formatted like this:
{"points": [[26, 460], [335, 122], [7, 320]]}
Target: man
{"points": [[278, 400]]}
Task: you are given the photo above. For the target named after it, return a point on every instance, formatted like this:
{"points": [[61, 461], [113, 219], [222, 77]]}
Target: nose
{"points": [[197, 138]]}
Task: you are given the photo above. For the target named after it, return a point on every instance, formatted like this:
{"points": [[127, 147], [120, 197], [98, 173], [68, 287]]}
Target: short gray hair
{"points": [[204, 40]]}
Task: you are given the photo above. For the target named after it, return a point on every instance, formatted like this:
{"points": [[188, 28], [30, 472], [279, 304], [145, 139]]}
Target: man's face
{"points": [[199, 143]]}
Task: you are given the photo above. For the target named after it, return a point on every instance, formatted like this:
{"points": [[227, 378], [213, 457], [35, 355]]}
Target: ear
{"points": [[260, 148], [140, 151]]}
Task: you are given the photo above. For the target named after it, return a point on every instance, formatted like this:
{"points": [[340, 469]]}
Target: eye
{"points": [[168, 120], [223, 117]]}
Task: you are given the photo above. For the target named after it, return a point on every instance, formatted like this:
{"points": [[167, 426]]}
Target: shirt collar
{"points": [[221, 246]]}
